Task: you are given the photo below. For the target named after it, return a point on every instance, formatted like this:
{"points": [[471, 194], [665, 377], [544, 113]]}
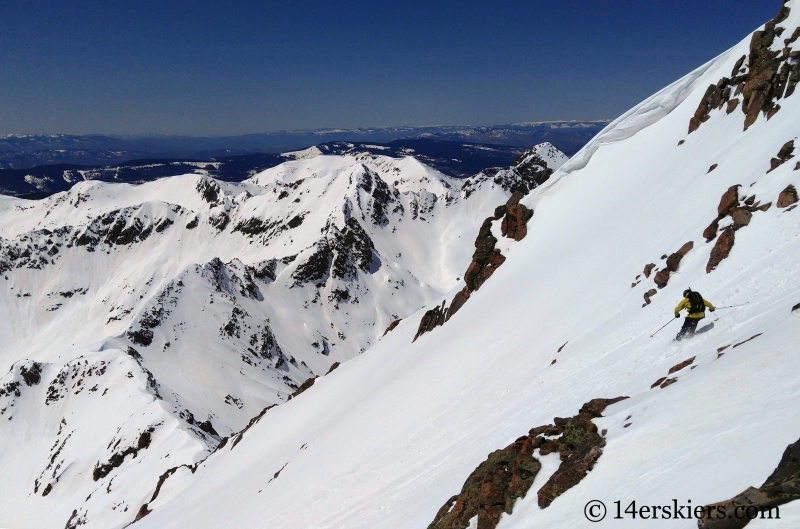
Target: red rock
{"points": [[787, 197], [686, 248], [458, 302], [732, 104], [658, 382], [648, 268], [596, 407], [514, 225], [392, 326], [711, 232], [430, 320], [721, 249], [678, 367], [764, 207], [662, 278], [730, 199], [647, 295], [674, 260]]}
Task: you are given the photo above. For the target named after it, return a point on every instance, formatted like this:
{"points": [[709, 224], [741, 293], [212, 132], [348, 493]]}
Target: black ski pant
{"points": [[689, 326]]}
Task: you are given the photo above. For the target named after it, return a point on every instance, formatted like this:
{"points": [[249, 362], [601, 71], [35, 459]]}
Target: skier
{"points": [[695, 305]]}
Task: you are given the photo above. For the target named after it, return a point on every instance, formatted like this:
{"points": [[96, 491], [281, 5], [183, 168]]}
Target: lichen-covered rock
{"points": [[787, 197], [781, 487], [508, 474], [492, 488], [721, 249], [582, 447], [765, 77]]}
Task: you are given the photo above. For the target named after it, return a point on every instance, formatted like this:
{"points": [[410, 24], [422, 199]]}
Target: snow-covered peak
{"points": [[546, 152], [164, 316]]}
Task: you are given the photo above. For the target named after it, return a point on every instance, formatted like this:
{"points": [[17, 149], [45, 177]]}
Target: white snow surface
{"points": [[153, 313], [387, 438]]}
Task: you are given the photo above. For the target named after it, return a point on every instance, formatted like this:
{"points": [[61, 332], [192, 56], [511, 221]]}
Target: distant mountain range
{"points": [[455, 159], [26, 151]]}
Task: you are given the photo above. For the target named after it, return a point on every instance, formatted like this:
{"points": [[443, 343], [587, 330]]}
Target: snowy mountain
{"points": [[142, 325], [496, 416]]}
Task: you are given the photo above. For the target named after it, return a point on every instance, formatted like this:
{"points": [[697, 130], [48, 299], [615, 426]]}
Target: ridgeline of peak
{"points": [[160, 318]]}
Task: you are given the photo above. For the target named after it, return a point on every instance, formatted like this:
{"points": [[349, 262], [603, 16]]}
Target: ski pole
{"points": [[670, 321], [732, 306]]}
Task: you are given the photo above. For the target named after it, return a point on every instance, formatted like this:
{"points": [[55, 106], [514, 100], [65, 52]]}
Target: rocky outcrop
{"points": [[787, 197], [741, 217], [711, 232], [514, 225], [782, 486], [492, 488], [649, 294], [532, 168], [741, 213], [304, 386], [673, 262], [485, 260], [761, 78], [508, 474], [721, 249], [392, 326], [458, 302], [784, 155], [677, 367], [431, 319], [728, 201]]}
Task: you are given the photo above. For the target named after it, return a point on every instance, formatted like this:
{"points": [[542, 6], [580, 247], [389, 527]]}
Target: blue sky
{"points": [[232, 67]]}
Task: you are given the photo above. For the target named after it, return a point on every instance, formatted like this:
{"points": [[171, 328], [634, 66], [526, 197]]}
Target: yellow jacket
{"points": [[685, 304]]}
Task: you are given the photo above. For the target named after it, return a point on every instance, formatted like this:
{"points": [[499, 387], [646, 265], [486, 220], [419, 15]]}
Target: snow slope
{"points": [[385, 440], [140, 325]]}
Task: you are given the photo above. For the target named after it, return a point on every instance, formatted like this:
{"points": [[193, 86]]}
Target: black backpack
{"points": [[696, 302]]}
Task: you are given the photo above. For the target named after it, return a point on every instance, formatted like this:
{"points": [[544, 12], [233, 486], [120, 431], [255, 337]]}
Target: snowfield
{"points": [[386, 439], [141, 325]]}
